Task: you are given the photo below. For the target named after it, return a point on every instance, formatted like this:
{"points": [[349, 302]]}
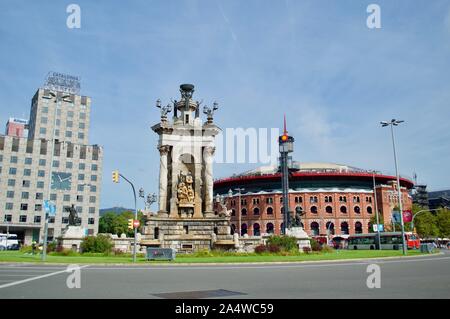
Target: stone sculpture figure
{"points": [[185, 189], [73, 216]]}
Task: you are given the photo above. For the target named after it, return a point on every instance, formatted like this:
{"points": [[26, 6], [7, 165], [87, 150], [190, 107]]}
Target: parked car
{"points": [[9, 242]]}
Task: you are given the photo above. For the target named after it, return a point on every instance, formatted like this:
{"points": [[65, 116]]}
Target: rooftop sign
{"points": [[63, 82]]}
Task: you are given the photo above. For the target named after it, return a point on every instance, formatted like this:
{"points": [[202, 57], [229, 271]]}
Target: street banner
{"points": [[378, 227], [407, 216], [49, 208], [396, 217]]}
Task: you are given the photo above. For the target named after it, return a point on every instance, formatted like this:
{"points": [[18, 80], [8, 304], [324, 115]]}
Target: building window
{"points": [[329, 210], [25, 195], [79, 198], [40, 184], [344, 228], [81, 177], [243, 229], [343, 199], [256, 230], [92, 199], [55, 163], [9, 206], [233, 212], [69, 114], [42, 162], [65, 220], [91, 210], [53, 197], [343, 210], [69, 124], [269, 200], [314, 209], [314, 228], [69, 165], [68, 133], [27, 172], [23, 218], [13, 159], [93, 188], [23, 206], [10, 194], [11, 182], [269, 211], [91, 221], [369, 210], [256, 211], [94, 167], [358, 228], [43, 130], [328, 199], [41, 195], [298, 199], [28, 160], [45, 109], [93, 178], [81, 125], [81, 135], [79, 209], [66, 198], [81, 166], [244, 212], [51, 219], [356, 199], [357, 210], [38, 207], [12, 171], [44, 120], [26, 183], [41, 173], [7, 218], [269, 228]]}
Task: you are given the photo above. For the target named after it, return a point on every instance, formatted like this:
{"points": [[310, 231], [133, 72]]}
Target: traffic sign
{"points": [[407, 216], [49, 208], [136, 223]]}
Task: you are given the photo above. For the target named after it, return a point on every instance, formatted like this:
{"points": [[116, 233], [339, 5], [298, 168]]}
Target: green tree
{"points": [[443, 222], [118, 224], [106, 222], [426, 225]]}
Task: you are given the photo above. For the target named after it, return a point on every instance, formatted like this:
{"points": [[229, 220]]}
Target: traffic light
{"points": [[115, 176], [130, 224]]}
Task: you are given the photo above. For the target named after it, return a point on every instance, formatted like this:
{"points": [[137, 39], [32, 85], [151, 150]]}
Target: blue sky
{"points": [[316, 61]]}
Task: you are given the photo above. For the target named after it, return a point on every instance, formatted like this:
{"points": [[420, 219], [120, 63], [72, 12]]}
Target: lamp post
{"points": [[239, 190], [376, 211], [393, 123], [419, 212], [56, 100]]}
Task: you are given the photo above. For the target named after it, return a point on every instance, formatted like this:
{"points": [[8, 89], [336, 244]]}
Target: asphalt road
{"points": [[415, 277]]}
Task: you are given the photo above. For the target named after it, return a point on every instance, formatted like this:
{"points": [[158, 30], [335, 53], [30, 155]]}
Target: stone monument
{"points": [[73, 234], [185, 219]]}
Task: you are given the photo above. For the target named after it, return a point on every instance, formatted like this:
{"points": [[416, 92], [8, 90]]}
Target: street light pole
{"points": [[376, 211], [393, 123], [135, 216]]}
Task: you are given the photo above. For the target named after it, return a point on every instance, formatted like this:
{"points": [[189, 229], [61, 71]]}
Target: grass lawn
{"points": [[16, 256]]}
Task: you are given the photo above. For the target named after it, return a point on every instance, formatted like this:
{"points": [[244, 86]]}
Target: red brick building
{"points": [[336, 199]]}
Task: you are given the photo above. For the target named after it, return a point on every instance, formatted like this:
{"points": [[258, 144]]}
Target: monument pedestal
{"points": [[303, 240], [72, 237]]}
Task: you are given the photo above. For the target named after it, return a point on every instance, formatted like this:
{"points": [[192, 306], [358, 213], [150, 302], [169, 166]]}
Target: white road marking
{"points": [[35, 278], [277, 266]]}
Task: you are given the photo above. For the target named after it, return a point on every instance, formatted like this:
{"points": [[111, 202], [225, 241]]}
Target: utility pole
{"points": [[376, 211], [393, 123], [239, 190]]}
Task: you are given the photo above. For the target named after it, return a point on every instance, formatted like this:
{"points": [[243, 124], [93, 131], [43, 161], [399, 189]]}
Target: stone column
{"points": [[163, 151], [208, 157]]}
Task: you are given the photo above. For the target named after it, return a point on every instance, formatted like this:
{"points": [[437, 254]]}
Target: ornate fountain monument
{"points": [[185, 219]]}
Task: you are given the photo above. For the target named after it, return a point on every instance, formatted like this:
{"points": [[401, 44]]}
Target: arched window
{"points": [[269, 228], [330, 228], [314, 209], [298, 209], [269, 211], [344, 228], [256, 230], [358, 228], [156, 233], [357, 209], [233, 212], [233, 229], [256, 211], [243, 229], [369, 209], [244, 211], [216, 230], [329, 209], [314, 228], [343, 210]]}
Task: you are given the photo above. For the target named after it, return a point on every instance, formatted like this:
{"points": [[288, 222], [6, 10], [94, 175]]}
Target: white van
{"points": [[8, 241]]}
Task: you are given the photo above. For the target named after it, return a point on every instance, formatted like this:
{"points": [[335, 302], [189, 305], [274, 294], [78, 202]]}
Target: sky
{"points": [[315, 61]]}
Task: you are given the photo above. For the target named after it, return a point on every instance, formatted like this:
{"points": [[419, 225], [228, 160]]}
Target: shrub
{"points": [[260, 249], [51, 246], [64, 252], [26, 249], [97, 244], [315, 246], [327, 249], [273, 248], [287, 243], [306, 250]]}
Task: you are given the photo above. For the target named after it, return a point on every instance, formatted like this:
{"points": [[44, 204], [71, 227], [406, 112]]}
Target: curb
{"points": [[149, 265]]}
